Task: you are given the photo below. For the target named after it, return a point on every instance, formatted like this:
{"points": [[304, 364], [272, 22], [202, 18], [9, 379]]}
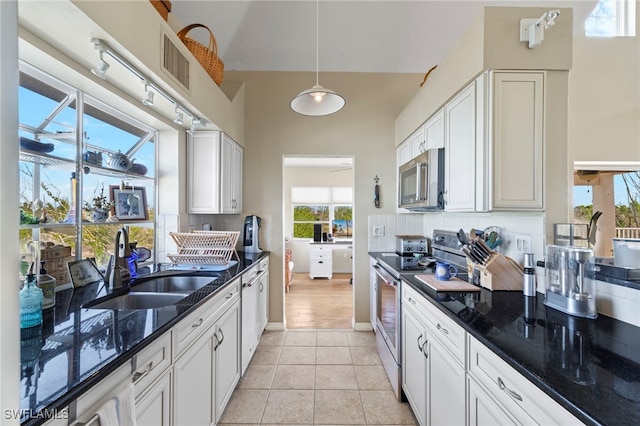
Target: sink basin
{"points": [[140, 300], [172, 284]]}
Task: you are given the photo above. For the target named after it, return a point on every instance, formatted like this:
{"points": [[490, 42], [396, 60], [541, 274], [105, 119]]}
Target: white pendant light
{"points": [[317, 100]]}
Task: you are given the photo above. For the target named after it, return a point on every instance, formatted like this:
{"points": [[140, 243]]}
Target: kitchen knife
{"points": [[479, 254], [484, 247], [467, 251]]}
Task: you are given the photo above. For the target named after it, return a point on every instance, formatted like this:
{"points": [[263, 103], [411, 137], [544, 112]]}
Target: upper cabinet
{"points": [[214, 173], [492, 132]]}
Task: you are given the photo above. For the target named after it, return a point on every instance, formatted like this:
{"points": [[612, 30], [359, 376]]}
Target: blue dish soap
{"points": [[31, 299], [133, 261]]}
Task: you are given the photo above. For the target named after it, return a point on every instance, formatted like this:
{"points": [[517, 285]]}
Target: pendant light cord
{"points": [[317, 39]]}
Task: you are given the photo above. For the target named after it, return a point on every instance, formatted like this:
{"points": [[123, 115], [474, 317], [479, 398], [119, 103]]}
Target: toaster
{"points": [[407, 245]]}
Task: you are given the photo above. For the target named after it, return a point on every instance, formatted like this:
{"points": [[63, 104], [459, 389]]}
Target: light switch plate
{"points": [[378, 231]]}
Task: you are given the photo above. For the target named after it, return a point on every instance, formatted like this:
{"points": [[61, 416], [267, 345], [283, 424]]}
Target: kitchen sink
{"points": [[139, 300], [172, 284]]}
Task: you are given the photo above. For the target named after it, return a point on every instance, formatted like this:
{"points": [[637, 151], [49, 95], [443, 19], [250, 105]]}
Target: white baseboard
{"points": [[275, 326], [362, 326]]}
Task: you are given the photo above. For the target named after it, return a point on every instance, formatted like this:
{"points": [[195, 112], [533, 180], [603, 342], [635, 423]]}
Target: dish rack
{"points": [[205, 247]]}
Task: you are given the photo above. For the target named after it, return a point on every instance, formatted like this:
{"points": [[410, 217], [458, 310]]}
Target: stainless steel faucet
{"points": [[118, 273]]}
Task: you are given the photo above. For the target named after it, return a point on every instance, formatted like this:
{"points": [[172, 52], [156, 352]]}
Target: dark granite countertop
{"points": [[76, 347], [590, 367]]}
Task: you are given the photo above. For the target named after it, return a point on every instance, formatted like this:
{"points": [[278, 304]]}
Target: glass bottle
{"points": [[31, 299]]}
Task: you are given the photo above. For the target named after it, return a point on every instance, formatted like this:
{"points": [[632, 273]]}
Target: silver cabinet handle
{"points": [[137, 376], [413, 302], [508, 391], [441, 328], [419, 344], [424, 351], [229, 296], [197, 323], [261, 287]]}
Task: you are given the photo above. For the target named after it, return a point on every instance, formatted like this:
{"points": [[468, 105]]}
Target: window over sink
{"points": [[76, 152]]}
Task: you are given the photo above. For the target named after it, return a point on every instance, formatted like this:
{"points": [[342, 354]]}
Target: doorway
{"points": [[318, 215]]}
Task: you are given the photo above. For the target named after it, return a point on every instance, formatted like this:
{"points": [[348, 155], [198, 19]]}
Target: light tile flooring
{"points": [[309, 377]]}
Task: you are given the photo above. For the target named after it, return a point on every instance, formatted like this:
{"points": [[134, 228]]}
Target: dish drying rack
{"points": [[205, 247]]}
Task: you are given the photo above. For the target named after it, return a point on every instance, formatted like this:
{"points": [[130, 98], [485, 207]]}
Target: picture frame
{"points": [[83, 272], [342, 228], [130, 203]]}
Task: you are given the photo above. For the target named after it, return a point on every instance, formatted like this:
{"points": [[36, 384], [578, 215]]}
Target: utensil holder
{"points": [[501, 273]]}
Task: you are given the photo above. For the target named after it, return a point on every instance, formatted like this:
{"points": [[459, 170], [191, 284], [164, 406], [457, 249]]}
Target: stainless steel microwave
{"points": [[421, 181]]}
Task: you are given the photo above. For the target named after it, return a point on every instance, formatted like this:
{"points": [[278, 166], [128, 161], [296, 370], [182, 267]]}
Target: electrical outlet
{"points": [[378, 230], [523, 243]]}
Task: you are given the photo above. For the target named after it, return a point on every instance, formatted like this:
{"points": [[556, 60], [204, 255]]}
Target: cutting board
{"points": [[454, 284]]}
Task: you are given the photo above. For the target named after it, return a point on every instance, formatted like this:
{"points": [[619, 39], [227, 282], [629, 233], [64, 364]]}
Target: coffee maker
{"points": [[570, 287], [251, 238]]}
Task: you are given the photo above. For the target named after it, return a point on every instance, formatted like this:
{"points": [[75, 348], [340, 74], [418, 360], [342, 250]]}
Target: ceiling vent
{"points": [[175, 63]]}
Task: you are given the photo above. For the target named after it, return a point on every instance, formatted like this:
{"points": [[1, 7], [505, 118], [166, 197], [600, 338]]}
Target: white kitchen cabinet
{"points": [[226, 357], [483, 409], [415, 365], [460, 149], [433, 378], [417, 142], [516, 141], [255, 287], [320, 261], [231, 175], [373, 293], [516, 395], [434, 131], [196, 379], [214, 173], [153, 408]]}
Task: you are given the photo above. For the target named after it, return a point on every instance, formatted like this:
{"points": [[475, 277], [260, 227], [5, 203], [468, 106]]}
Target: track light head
{"points": [[102, 67], [148, 96]]}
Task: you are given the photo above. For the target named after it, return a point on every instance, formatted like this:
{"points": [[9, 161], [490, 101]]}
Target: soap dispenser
{"points": [[48, 286], [31, 298]]}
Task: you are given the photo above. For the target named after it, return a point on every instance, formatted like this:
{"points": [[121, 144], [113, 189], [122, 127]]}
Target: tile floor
{"points": [[307, 377]]}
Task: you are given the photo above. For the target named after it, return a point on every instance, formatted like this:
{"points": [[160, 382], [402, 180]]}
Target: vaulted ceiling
{"points": [[354, 36]]}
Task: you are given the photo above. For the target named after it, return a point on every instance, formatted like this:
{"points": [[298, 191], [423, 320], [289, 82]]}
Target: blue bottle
{"points": [[133, 261], [31, 299]]}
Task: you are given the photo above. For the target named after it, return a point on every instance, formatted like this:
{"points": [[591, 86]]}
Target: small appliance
{"points": [[421, 182], [251, 238], [570, 287], [407, 245], [317, 232]]}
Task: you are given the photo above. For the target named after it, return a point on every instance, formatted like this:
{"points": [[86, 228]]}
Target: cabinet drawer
{"points": [[197, 322], [521, 398], [151, 362], [452, 336], [318, 249]]}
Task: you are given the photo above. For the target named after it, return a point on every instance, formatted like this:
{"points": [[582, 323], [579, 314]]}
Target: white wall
{"points": [[9, 326]]}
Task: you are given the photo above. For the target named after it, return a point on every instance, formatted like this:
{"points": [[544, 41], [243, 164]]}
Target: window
{"points": [[612, 18], [330, 207], [69, 143]]}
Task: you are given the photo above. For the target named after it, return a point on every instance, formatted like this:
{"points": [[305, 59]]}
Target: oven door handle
{"points": [[385, 276]]}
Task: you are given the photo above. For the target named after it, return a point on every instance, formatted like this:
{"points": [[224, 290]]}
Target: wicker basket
{"points": [[207, 56]]}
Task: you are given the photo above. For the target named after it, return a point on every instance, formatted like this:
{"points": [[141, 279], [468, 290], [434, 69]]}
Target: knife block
{"points": [[501, 273]]}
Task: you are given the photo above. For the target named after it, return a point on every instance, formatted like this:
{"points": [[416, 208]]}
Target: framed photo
{"points": [[130, 204], [342, 228], [83, 272]]}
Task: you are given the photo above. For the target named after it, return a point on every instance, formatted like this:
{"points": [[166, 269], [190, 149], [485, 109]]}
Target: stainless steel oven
{"points": [[388, 325]]}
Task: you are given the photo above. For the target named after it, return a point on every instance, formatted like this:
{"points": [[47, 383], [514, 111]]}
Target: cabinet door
{"points": [[228, 175], [152, 408], [415, 364], [250, 300], [403, 153], [460, 157], [446, 386], [517, 141], [263, 304], [203, 172], [227, 357], [483, 410], [417, 142], [434, 131], [373, 295], [238, 161], [193, 388]]}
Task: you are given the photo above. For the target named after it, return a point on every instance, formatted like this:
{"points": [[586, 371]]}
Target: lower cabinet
{"points": [[433, 378], [153, 408], [208, 371], [483, 409], [320, 261], [255, 299]]}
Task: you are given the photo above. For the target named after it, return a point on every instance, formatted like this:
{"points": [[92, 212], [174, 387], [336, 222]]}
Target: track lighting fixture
{"points": [[197, 122], [532, 29], [179, 120], [148, 96], [149, 86], [102, 67]]}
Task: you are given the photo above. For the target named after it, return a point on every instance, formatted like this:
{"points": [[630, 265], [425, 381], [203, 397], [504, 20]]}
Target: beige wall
{"points": [[364, 129]]}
